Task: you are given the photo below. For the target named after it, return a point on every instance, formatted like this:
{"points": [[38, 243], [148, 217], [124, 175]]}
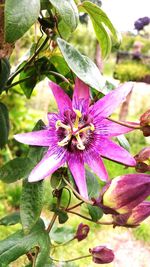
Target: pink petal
{"points": [[95, 162], [110, 150], [76, 165], [106, 105], [81, 96], [49, 164], [62, 99], [36, 138], [108, 128]]}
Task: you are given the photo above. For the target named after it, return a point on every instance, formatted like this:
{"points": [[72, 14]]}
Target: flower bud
{"points": [[145, 118], [139, 213], [145, 123], [143, 160], [102, 255], [82, 231], [126, 192]]}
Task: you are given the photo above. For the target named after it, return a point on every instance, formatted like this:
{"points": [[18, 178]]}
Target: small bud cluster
{"points": [[141, 22]]}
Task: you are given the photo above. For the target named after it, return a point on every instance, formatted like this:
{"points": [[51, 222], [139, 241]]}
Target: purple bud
{"points": [[145, 20], [139, 213], [82, 231], [145, 118], [143, 160], [126, 192], [102, 255]]}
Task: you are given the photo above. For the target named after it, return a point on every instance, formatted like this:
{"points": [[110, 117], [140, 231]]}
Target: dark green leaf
{"points": [[19, 17], [30, 79], [4, 73], [56, 179], [82, 66], [31, 204], [68, 11], [4, 125], [95, 212], [62, 216], [62, 234], [102, 26], [123, 142], [15, 169], [92, 184], [45, 4], [10, 219], [17, 244], [60, 64]]}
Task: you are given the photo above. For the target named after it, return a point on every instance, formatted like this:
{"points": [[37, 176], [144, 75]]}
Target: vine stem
{"points": [[29, 61], [74, 259], [88, 219], [75, 206], [77, 194], [54, 215], [125, 123]]}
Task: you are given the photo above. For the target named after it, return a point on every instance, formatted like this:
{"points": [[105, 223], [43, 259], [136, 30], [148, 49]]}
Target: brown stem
{"points": [[125, 123]]}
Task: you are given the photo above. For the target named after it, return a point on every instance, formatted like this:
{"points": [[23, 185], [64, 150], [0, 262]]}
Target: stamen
{"points": [[90, 127], [62, 125], [65, 141], [80, 143], [78, 116]]}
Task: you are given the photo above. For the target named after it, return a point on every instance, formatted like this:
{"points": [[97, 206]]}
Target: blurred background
{"points": [[131, 62]]}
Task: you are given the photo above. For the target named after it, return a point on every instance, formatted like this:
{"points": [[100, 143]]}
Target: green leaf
{"points": [[36, 152], [45, 4], [15, 169], [62, 234], [10, 219], [62, 216], [19, 17], [31, 204], [4, 73], [81, 65], [17, 245], [103, 27], [30, 79], [4, 125], [92, 184], [96, 213], [123, 142], [68, 11]]}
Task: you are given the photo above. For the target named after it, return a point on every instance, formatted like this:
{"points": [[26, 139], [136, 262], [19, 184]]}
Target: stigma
{"points": [[75, 131]]}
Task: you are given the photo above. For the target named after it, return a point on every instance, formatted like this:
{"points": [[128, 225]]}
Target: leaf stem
{"points": [[29, 61], [74, 259], [88, 219], [77, 194], [75, 206]]}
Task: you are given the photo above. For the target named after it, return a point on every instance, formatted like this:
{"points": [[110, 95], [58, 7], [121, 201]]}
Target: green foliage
{"points": [[96, 213], [68, 11], [62, 234], [101, 25], [82, 66], [131, 71], [4, 72], [15, 169], [4, 125], [142, 232], [128, 41], [10, 219], [18, 244], [19, 16]]}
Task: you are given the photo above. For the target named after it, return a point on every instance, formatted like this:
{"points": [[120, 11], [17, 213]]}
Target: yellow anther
{"points": [[90, 127], [78, 112], [80, 144], [62, 125], [65, 141]]}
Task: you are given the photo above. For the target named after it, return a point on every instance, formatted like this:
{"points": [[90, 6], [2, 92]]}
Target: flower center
{"points": [[76, 132]]}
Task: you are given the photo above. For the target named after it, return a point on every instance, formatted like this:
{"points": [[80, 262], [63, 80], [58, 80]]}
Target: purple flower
{"points": [[80, 134], [126, 192], [82, 231], [102, 255]]}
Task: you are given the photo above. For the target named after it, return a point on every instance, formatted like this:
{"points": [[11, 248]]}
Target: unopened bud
{"points": [[102, 255], [143, 160], [126, 192], [145, 123], [82, 231]]}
